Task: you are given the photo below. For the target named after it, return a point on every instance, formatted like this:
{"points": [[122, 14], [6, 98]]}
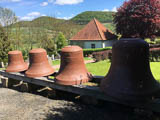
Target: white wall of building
{"points": [[98, 44], [109, 43]]}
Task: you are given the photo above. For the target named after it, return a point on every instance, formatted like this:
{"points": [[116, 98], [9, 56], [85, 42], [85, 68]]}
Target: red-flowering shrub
{"points": [[138, 18], [103, 55], [154, 54], [154, 46]]}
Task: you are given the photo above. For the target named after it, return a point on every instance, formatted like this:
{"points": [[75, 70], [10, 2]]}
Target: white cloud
{"points": [[44, 4], [34, 14], [26, 18], [31, 16], [65, 2], [105, 10], [43, 15], [114, 9], [67, 18]]}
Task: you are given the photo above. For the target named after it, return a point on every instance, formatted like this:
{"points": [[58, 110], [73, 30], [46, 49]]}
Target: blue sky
{"points": [[65, 9]]}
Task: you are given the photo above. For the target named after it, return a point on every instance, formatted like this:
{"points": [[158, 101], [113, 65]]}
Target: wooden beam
{"points": [[92, 91]]}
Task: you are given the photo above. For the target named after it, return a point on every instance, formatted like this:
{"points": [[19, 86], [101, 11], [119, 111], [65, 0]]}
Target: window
{"points": [[93, 46]]}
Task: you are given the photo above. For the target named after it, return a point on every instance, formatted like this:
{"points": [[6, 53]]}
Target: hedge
{"points": [[102, 55], [154, 54], [88, 52], [154, 45]]}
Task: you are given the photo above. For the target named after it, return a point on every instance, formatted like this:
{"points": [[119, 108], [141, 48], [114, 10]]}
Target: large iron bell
{"points": [[72, 69], [130, 77], [16, 62], [39, 65]]}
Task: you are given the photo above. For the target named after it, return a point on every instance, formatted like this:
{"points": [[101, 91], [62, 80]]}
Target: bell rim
{"points": [[28, 74], [73, 82], [17, 70]]}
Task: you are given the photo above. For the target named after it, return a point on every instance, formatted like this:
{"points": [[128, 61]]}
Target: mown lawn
{"points": [[101, 68], [56, 62]]}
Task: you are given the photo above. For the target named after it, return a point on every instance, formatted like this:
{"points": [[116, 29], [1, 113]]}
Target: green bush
{"points": [[154, 54], [87, 52]]}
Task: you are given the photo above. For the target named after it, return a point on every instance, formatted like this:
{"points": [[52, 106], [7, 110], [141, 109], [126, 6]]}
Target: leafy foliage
{"points": [[5, 45], [138, 18], [103, 55], [85, 17], [61, 41], [48, 44], [87, 52], [154, 54]]}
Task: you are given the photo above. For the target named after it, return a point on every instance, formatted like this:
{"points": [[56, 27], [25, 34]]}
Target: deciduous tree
{"points": [[61, 41], [138, 18]]}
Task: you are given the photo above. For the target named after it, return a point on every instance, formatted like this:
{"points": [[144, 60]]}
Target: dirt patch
{"points": [[16, 105]]}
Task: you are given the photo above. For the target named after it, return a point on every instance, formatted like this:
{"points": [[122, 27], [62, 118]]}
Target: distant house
{"points": [[94, 35]]}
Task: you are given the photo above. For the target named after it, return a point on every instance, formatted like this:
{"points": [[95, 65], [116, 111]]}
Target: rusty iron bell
{"points": [[72, 69], [130, 78], [39, 65], [16, 62]]}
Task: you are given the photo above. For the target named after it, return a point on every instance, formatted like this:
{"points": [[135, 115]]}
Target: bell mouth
{"points": [[34, 75], [17, 68]]}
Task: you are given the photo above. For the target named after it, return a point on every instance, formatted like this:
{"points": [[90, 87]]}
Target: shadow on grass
{"points": [[107, 111]]}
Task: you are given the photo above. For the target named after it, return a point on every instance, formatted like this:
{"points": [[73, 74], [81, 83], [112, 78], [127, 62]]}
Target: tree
{"points": [[60, 41], [5, 45], [48, 44], [7, 18], [138, 18]]}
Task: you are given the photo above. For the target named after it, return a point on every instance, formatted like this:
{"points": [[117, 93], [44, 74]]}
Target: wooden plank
{"points": [[43, 81], [92, 91]]}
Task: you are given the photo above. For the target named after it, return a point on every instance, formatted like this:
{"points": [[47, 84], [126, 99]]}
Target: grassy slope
{"points": [[101, 68], [49, 24]]}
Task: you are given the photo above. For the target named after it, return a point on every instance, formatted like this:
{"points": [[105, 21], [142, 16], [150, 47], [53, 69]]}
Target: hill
{"points": [[51, 24], [85, 17]]}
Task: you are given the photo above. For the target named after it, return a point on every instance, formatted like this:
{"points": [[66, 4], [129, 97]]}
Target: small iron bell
{"points": [[130, 77]]}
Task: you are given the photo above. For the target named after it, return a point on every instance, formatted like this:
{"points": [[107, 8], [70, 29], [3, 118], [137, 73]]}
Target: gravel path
{"points": [[16, 105]]}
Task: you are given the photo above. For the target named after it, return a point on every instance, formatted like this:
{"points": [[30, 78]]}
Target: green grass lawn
{"points": [[56, 62], [101, 68]]}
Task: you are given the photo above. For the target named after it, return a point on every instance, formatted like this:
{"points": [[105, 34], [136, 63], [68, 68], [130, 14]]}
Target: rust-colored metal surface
{"points": [[94, 30], [39, 65], [16, 62], [72, 69], [130, 77]]}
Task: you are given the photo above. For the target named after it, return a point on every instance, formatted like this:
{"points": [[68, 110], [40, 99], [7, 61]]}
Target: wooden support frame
{"points": [[92, 91]]}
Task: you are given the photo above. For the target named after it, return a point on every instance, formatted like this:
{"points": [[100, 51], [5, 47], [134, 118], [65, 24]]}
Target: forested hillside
{"points": [[85, 17], [67, 27]]}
